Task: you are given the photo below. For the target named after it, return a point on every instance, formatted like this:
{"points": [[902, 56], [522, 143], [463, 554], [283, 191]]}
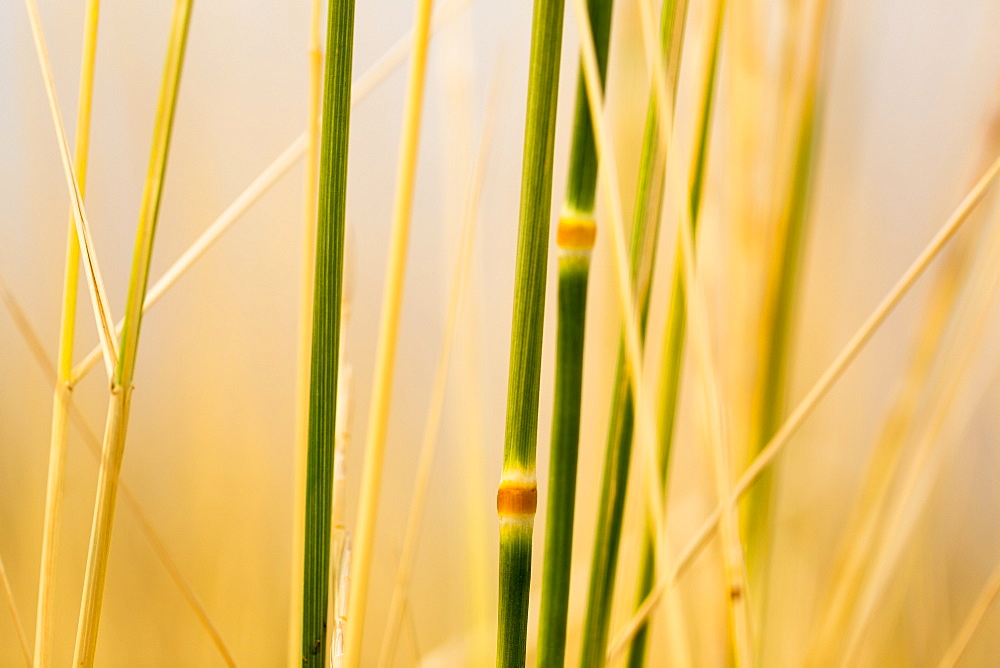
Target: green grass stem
{"points": [[121, 385], [645, 231], [516, 496], [768, 409], [575, 238], [649, 199], [326, 320], [574, 268]]}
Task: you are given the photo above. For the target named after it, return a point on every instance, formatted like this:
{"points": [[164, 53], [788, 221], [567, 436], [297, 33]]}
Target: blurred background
{"points": [[909, 124]]}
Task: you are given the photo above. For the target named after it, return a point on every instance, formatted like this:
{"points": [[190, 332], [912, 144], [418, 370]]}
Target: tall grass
{"points": [[517, 493], [760, 247], [67, 333], [575, 238], [327, 294]]}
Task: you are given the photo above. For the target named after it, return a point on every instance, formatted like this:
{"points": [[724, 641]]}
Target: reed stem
{"points": [[819, 389], [326, 321], [648, 206], [98, 293], [517, 493], [121, 386], [575, 238], [574, 268], [310, 192], [619, 449], [385, 361], [62, 396], [30, 336], [769, 394]]}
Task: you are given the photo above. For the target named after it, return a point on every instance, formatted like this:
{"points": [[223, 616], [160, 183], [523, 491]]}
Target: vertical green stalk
{"points": [[121, 382], [645, 231], [769, 397], [768, 401], [517, 493], [648, 204], [67, 330], [326, 329], [574, 267], [575, 238], [304, 343]]}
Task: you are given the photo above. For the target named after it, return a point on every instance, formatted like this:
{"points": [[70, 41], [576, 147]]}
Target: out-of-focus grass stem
{"points": [[378, 422]]}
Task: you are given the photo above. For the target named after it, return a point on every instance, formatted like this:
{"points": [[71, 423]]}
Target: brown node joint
{"points": [[516, 499], [576, 233]]}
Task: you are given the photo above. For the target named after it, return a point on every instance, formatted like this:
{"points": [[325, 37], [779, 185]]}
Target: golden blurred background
{"points": [[909, 124]]}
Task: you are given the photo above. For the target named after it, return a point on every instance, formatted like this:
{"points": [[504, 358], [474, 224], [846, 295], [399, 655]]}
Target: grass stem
{"points": [[768, 398], [326, 321], [575, 238], [517, 493], [310, 196], [812, 398], [121, 386], [378, 423], [432, 426], [34, 342], [649, 197], [62, 396], [98, 294]]}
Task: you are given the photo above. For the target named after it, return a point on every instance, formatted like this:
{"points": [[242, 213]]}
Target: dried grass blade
{"points": [[98, 294], [809, 402]]}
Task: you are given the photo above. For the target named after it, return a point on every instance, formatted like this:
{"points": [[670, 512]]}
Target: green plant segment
{"points": [[648, 206], [574, 268], [517, 494], [62, 396], [121, 385], [575, 238], [769, 394], [645, 229], [326, 329]]}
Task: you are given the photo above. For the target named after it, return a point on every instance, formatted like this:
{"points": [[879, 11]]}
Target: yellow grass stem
{"points": [[972, 622], [98, 295], [121, 386], [809, 402], [206, 240], [22, 639], [364, 85], [605, 152], [741, 639], [361, 560], [304, 352], [63, 386], [34, 342], [432, 426], [608, 180]]}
